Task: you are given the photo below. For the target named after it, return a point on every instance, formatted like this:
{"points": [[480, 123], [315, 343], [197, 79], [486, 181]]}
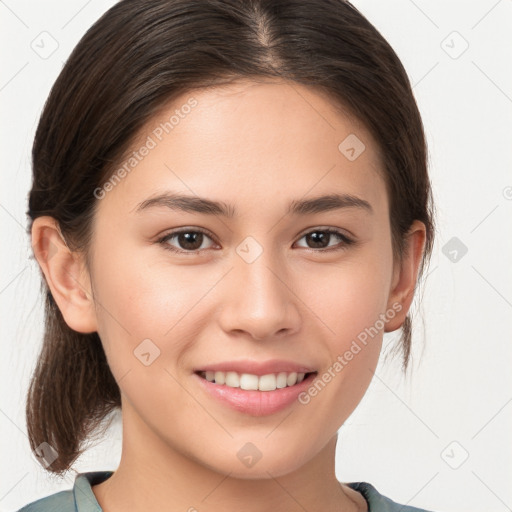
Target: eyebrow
{"points": [[195, 204]]}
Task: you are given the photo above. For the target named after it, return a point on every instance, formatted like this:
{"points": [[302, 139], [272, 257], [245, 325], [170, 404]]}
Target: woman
{"points": [[230, 206]]}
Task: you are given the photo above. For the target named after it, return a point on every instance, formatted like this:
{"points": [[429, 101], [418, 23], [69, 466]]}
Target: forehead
{"points": [[248, 142]]}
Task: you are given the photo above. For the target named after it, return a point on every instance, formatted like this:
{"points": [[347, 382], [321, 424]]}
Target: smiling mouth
{"points": [[251, 382]]}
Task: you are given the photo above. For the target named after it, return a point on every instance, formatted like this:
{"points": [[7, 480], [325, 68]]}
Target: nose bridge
{"points": [[258, 301]]}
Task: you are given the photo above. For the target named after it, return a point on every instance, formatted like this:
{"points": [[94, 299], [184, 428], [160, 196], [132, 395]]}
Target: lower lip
{"points": [[255, 403]]}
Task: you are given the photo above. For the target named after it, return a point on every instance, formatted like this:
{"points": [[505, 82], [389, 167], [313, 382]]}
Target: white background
{"points": [[408, 435]]}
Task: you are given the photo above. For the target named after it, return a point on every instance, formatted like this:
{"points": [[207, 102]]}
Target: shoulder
{"points": [[78, 499], [63, 501], [379, 503]]}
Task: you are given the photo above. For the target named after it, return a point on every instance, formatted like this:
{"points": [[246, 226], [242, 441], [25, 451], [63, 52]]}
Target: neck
{"points": [[152, 475]]}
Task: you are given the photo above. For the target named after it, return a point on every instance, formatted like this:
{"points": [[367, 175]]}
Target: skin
{"points": [[255, 146]]}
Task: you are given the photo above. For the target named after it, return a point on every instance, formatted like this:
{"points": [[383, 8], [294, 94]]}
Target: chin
{"points": [[250, 464]]}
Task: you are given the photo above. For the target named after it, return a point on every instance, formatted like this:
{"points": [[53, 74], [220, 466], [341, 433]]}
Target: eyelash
{"points": [[346, 241]]}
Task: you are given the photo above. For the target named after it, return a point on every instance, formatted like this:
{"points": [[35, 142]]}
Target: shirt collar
{"points": [[85, 500]]}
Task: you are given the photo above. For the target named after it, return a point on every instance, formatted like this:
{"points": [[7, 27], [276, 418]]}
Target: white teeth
{"points": [[291, 379], [281, 380], [220, 377], [248, 381], [232, 380], [267, 382]]}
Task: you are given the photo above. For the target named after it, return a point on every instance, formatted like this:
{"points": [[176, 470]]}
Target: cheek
{"points": [[351, 307], [148, 297], [348, 298], [140, 299], [146, 321]]}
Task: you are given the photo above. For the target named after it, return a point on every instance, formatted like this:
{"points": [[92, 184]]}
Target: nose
{"points": [[258, 299]]}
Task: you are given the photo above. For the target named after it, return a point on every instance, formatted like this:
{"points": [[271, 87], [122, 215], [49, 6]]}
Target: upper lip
{"points": [[256, 367]]}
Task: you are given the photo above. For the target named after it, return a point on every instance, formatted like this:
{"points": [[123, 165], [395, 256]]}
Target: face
{"points": [[278, 283]]}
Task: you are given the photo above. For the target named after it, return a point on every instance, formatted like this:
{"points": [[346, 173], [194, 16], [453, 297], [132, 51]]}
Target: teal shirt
{"points": [[82, 499]]}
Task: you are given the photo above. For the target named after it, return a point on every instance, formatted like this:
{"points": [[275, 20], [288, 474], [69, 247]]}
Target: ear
{"points": [[66, 275], [405, 275]]}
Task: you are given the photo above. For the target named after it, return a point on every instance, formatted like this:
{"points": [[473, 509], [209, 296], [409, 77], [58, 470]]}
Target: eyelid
{"points": [[330, 229], [163, 239], [346, 239]]}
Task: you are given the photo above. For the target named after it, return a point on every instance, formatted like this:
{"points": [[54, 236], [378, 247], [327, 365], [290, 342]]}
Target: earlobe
{"points": [[406, 274], [65, 275]]}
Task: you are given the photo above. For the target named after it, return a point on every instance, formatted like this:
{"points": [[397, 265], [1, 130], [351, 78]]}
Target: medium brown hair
{"points": [[134, 60]]}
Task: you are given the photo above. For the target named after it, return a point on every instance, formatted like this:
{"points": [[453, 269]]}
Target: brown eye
{"points": [[186, 241], [321, 239], [191, 241]]}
